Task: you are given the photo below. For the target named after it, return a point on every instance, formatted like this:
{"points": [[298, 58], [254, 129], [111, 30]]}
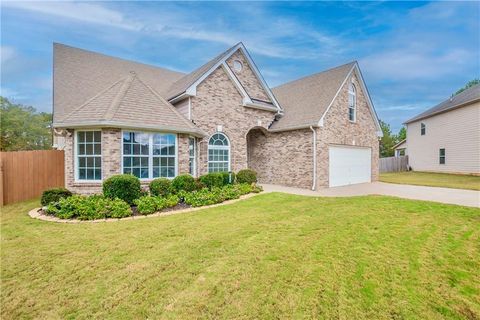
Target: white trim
{"points": [[150, 154], [365, 92], [189, 108], [354, 94], [314, 173], [260, 107], [219, 148], [241, 89], [194, 166], [75, 157]]}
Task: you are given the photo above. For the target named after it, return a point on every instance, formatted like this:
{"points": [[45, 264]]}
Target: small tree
{"points": [[387, 142], [469, 84]]}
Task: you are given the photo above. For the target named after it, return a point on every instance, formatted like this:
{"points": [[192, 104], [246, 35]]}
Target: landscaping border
{"points": [[35, 214]]}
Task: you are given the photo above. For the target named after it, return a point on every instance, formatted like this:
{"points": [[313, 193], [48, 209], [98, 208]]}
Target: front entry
{"points": [[349, 165]]}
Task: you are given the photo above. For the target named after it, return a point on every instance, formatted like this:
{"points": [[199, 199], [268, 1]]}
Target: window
{"points": [[192, 153], [352, 103], [422, 129], [237, 66], [218, 153], [442, 156], [149, 155], [89, 155]]}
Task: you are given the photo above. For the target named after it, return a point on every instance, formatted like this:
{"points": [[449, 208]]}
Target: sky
{"points": [[412, 55]]}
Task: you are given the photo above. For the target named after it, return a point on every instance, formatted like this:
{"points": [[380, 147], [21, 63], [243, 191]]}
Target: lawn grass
{"points": [[446, 180], [271, 256]]}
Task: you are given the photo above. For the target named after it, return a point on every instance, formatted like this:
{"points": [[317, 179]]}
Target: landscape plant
{"points": [[54, 195], [122, 186]]}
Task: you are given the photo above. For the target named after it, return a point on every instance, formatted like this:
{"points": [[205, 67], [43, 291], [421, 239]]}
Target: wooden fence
{"points": [[26, 174], [394, 164]]}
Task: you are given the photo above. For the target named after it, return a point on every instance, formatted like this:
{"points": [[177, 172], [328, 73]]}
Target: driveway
{"points": [[462, 197]]}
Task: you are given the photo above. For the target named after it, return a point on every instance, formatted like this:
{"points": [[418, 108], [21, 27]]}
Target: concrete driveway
{"points": [[462, 197]]}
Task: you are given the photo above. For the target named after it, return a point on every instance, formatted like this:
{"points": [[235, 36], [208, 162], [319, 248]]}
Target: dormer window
{"points": [[352, 103], [422, 129], [237, 66]]}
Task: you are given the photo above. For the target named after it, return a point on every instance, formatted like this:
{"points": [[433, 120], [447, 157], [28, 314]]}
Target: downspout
{"points": [[314, 184]]}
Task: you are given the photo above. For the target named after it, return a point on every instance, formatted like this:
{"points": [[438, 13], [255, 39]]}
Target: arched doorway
{"points": [[256, 150]]}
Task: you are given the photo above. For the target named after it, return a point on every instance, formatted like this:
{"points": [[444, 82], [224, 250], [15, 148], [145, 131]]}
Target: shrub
{"points": [[89, 208], [160, 187], [184, 182], [228, 178], [123, 186], [211, 180], [202, 197], [54, 195], [149, 204], [246, 176]]}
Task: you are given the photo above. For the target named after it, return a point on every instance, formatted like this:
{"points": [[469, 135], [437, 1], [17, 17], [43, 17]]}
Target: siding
{"points": [[184, 107], [458, 131]]}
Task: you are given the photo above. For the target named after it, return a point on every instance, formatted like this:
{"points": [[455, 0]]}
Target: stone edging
{"points": [[34, 213]]}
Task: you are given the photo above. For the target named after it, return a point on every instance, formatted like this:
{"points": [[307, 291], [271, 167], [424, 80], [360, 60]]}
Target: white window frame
{"points": [[354, 107], [76, 155], [150, 153], [218, 148], [194, 157]]}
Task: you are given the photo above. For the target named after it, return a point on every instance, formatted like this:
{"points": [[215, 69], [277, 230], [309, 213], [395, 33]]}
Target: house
{"points": [[446, 138], [400, 148], [115, 116]]}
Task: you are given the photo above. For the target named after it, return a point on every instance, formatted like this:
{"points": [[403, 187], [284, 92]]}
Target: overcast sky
{"points": [[412, 54]]}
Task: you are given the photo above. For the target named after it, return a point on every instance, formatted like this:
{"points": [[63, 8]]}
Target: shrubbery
{"points": [[89, 208], [228, 178], [206, 197], [160, 187], [246, 176], [149, 204], [211, 180], [123, 186], [184, 182], [54, 195]]}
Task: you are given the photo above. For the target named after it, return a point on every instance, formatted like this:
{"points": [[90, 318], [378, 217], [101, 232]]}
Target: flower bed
{"points": [[118, 202]]}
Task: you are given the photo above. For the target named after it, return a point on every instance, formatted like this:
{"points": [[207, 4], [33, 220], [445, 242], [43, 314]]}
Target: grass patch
{"points": [[270, 256], [446, 180]]}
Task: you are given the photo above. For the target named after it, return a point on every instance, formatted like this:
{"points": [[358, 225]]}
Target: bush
{"points": [[160, 187], [54, 195], [228, 178], [246, 176], [184, 182], [123, 186], [211, 180], [202, 197], [149, 204], [89, 208]]}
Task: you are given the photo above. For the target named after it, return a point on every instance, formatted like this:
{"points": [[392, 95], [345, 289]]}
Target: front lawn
{"points": [[270, 256], [431, 179]]}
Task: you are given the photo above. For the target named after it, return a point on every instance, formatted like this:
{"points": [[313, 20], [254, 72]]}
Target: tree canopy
{"points": [[469, 84], [23, 128], [389, 139]]}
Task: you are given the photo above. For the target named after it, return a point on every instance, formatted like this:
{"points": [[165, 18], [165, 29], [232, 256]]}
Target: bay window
{"points": [[149, 155]]}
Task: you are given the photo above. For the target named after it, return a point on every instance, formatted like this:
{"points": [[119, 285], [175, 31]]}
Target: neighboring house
{"points": [[400, 148], [116, 116], [446, 138]]}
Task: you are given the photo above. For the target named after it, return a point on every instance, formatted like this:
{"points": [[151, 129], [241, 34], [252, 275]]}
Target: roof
{"points": [[182, 84], [399, 144], [305, 100], [79, 75], [128, 102], [464, 98]]}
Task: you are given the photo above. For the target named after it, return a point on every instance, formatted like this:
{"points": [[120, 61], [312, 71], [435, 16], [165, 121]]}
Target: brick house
{"points": [[115, 116]]}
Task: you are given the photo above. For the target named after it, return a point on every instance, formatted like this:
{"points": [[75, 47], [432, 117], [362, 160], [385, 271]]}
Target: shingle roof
{"points": [[79, 75], [186, 81], [305, 100], [128, 102], [463, 98]]}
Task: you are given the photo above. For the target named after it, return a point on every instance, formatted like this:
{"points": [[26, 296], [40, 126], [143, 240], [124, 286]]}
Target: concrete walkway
{"points": [[470, 198]]}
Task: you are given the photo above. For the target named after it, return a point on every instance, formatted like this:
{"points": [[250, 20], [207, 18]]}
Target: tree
{"points": [[469, 84], [402, 134], [23, 128], [387, 142]]}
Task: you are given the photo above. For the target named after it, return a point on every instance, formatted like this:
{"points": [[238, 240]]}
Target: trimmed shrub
{"points": [[54, 195], [123, 186], [160, 187], [148, 204], [184, 182], [228, 178], [89, 208], [246, 176], [211, 180]]}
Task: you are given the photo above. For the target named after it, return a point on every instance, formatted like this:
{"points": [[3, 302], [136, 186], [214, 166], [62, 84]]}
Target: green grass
{"points": [[273, 256], [446, 180]]}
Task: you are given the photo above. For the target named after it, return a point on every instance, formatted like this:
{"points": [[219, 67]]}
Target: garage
{"points": [[349, 165]]}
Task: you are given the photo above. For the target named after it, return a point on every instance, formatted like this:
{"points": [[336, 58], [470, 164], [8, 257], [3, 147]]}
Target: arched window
{"points": [[352, 103], [218, 153]]}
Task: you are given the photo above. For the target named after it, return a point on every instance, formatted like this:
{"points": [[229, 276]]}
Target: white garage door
{"points": [[349, 165]]}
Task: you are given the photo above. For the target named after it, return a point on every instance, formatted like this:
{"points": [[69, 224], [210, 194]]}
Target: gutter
{"points": [[314, 173]]}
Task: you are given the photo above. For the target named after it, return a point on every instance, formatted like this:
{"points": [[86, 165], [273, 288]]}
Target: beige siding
{"points": [[184, 107], [458, 131]]}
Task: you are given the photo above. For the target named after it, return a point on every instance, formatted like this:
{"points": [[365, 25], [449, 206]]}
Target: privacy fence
{"points": [[26, 174], [394, 164]]}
